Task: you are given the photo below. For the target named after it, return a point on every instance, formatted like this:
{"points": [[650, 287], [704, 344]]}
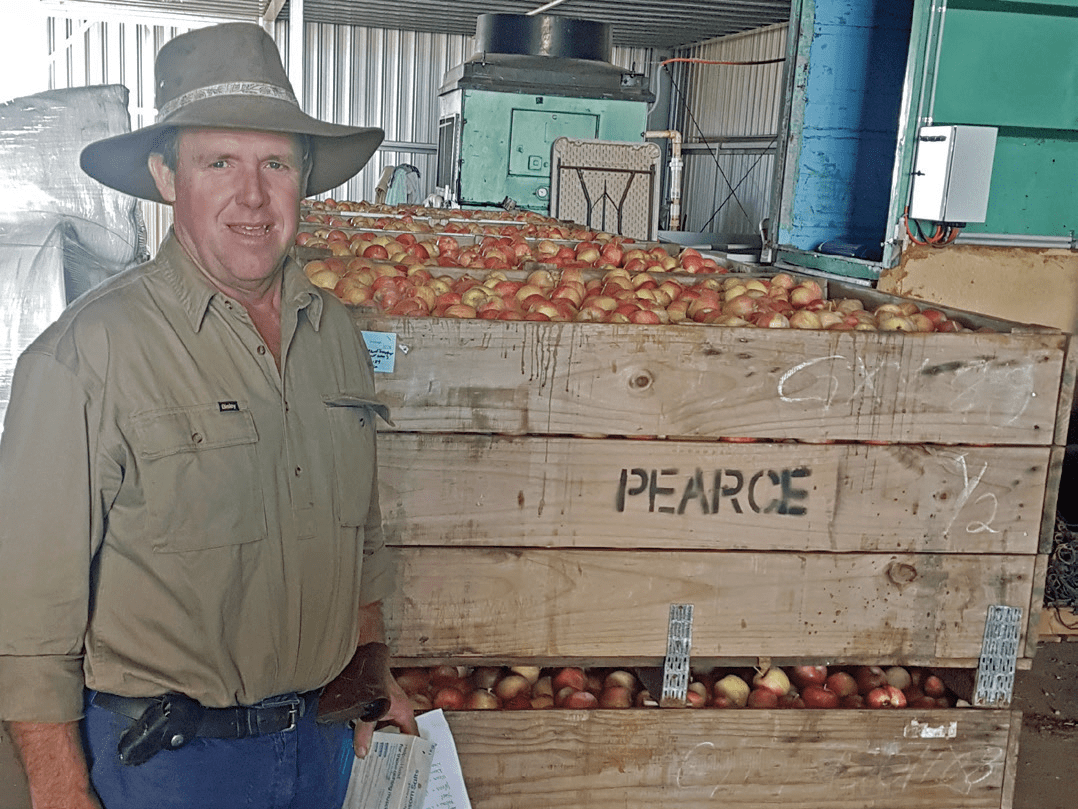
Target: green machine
{"points": [[532, 80]]}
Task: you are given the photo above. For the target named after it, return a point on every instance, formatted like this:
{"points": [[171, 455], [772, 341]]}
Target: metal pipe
{"points": [[676, 164], [545, 7], [297, 41]]}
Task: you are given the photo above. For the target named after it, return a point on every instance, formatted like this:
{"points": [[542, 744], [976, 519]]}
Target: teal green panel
{"points": [[999, 67], [532, 132], [506, 140], [1033, 189]]}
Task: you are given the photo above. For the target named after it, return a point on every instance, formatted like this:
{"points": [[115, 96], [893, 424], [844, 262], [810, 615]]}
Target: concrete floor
{"points": [[1047, 695], [1047, 777]]}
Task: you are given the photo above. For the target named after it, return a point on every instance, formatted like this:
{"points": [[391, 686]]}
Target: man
{"points": [[191, 540]]}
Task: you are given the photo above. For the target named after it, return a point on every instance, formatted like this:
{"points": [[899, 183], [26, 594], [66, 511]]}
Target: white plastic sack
{"points": [[41, 137]]}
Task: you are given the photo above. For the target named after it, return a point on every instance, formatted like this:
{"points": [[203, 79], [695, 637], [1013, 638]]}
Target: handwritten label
{"points": [[672, 491], [382, 346], [999, 390], [986, 502]]}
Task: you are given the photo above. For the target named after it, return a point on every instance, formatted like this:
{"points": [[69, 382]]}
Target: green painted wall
{"points": [[1014, 65]]}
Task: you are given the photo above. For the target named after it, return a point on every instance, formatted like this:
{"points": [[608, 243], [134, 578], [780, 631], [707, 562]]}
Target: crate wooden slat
{"points": [[689, 381], [481, 490], [476, 604], [685, 759], [1058, 624]]}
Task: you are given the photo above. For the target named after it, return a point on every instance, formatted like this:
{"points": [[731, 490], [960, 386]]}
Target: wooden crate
{"points": [[739, 759], [819, 497]]}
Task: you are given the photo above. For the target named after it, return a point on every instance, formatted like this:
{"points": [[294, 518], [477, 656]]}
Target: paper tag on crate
{"points": [[999, 657], [382, 346]]}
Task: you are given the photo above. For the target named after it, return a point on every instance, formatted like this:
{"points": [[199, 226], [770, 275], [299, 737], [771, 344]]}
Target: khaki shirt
{"points": [[176, 515]]}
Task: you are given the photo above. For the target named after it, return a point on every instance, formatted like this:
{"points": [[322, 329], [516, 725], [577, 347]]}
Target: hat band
{"points": [[236, 88]]}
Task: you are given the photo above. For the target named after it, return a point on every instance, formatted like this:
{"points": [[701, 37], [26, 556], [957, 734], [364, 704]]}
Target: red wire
{"points": [[714, 62], [940, 238]]}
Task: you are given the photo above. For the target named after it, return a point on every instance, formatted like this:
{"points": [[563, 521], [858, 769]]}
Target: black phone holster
{"points": [[168, 723]]}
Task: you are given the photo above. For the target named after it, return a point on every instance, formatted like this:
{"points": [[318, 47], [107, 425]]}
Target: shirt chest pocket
{"points": [[351, 420], [199, 471]]}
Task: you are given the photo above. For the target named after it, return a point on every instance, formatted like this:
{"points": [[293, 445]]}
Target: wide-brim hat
{"points": [[227, 77]]}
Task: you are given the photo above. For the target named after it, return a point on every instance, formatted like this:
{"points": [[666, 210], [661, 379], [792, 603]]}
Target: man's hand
{"points": [[55, 765], [400, 714]]}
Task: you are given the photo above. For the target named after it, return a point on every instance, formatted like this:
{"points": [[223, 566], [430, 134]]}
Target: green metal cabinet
{"points": [[505, 139]]}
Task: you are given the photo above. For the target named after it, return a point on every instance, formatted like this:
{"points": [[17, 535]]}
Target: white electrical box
{"points": [[952, 173]]}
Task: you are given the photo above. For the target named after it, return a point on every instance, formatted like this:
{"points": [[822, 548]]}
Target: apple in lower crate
{"points": [[791, 700], [481, 700], [731, 690], [616, 696], [570, 676], [933, 686], [449, 698], [644, 699], [542, 702], [818, 696], [696, 695], [841, 683], [445, 675], [485, 676], [544, 687], [899, 677], [885, 696], [804, 675], [620, 677], [868, 678], [772, 679], [593, 682], [511, 686], [581, 699], [762, 698], [520, 702]]}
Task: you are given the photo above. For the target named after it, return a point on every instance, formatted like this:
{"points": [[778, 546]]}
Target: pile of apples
{"points": [[508, 252], [331, 206], [615, 296], [413, 218], [461, 688]]}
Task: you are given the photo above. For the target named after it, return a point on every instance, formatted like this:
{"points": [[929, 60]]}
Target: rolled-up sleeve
{"points": [[379, 571], [47, 541]]}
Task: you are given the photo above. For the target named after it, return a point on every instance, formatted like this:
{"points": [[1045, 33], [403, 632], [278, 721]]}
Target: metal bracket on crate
{"points": [[994, 685], [676, 665]]}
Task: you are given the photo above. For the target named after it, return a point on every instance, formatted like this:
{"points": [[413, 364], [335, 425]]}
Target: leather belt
{"points": [[272, 715]]}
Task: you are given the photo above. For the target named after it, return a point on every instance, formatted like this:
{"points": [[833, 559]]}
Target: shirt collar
{"points": [[194, 292]]}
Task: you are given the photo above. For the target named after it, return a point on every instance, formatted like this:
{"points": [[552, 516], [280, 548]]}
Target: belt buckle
{"points": [[294, 703]]}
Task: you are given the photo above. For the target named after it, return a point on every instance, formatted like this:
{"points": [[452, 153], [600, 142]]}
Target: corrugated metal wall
{"points": [[352, 75], [729, 117]]}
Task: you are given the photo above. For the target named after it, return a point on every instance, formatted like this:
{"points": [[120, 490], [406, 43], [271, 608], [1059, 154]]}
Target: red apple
{"points": [[818, 696], [885, 696], [762, 698], [804, 675], [841, 683]]}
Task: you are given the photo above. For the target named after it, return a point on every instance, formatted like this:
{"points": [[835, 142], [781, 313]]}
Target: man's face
{"points": [[235, 200]]}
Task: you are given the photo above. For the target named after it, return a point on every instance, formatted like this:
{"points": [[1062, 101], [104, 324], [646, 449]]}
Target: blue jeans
{"points": [[303, 768]]}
